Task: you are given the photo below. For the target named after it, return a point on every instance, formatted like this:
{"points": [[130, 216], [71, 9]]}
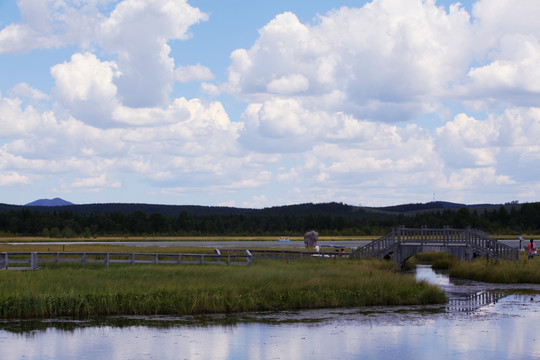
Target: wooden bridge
{"points": [[467, 244]]}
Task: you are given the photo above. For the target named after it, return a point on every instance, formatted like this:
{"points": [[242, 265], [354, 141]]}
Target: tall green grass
{"points": [[438, 260], [197, 289], [481, 269], [499, 271]]}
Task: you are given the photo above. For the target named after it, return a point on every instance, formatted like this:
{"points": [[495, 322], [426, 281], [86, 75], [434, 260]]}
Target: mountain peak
{"points": [[49, 202]]}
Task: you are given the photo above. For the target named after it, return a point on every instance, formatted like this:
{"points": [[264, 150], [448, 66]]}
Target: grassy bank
{"points": [[499, 271], [438, 260], [181, 290], [492, 270]]}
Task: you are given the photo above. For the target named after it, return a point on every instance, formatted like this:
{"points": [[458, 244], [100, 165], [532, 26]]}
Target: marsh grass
{"points": [[499, 271], [481, 269], [438, 260], [196, 289]]}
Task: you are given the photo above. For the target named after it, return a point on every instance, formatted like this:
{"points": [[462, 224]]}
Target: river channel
{"points": [[481, 321]]}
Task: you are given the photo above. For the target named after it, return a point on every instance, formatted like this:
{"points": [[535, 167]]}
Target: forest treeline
{"points": [[340, 220]]}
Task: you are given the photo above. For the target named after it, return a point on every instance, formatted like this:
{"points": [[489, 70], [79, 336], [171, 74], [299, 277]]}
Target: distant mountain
{"points": [[50, 202]]}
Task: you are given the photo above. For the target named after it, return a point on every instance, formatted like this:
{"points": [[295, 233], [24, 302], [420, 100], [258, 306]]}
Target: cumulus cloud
{"points": [[191, 149], [327, 106], [138, 33], [466, 142], [512, 77], [135, 32], [15, 121], [85, 87], [387, 54], [52, 24]]}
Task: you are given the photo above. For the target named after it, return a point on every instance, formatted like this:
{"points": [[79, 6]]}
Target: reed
{"points": [[196, 289], [499, 271], [438, 260], [486, 270]]}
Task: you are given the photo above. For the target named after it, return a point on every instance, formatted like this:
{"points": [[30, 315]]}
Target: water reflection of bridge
{"points": [[467, 244], [474, 302]]}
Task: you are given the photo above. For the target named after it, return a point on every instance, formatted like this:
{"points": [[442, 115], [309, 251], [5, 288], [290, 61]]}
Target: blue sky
{"points": [[256, 104]]}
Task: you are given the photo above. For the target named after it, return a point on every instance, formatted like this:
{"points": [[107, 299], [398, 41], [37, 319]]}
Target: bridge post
{"points": [[34, 261]]}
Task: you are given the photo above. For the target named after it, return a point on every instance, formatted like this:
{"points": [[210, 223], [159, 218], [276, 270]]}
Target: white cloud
{"points": [[469, 179], [512, 77], [85, 88], [26, 91], [193, 144], [16, 122], [51, 24], [19, 38], [138, 32], [211, 89], [256, 202], [495, 18], [505, 142], [92, 184], [327, 105], [135, 31], [467, 142], [197, 72], [12, 178], [289, 84], [384, 55]]}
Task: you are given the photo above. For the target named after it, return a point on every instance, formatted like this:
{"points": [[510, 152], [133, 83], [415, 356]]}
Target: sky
{"points": [[259, 104]]}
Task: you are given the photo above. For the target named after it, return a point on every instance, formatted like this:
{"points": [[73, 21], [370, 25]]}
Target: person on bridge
{"points": [[531, 249]]}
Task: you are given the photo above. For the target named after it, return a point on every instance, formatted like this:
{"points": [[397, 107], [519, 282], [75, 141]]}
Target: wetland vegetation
{"points": [[197, 289], [75, 291], [485, 270]]}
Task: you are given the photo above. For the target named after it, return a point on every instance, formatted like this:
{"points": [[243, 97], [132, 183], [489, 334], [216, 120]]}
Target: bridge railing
{"points": [[426, 235], [32, 260], [375, 248], [288, 254], [481, 241]]}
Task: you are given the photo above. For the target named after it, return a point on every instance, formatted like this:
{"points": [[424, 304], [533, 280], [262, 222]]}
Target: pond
{"points": [[480, 321]]}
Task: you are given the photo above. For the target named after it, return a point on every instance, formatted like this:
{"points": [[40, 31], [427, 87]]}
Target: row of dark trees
{"points": [[524, 218]]}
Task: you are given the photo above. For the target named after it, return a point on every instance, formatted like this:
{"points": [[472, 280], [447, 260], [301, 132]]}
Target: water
{"points": [[481, 321]]}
